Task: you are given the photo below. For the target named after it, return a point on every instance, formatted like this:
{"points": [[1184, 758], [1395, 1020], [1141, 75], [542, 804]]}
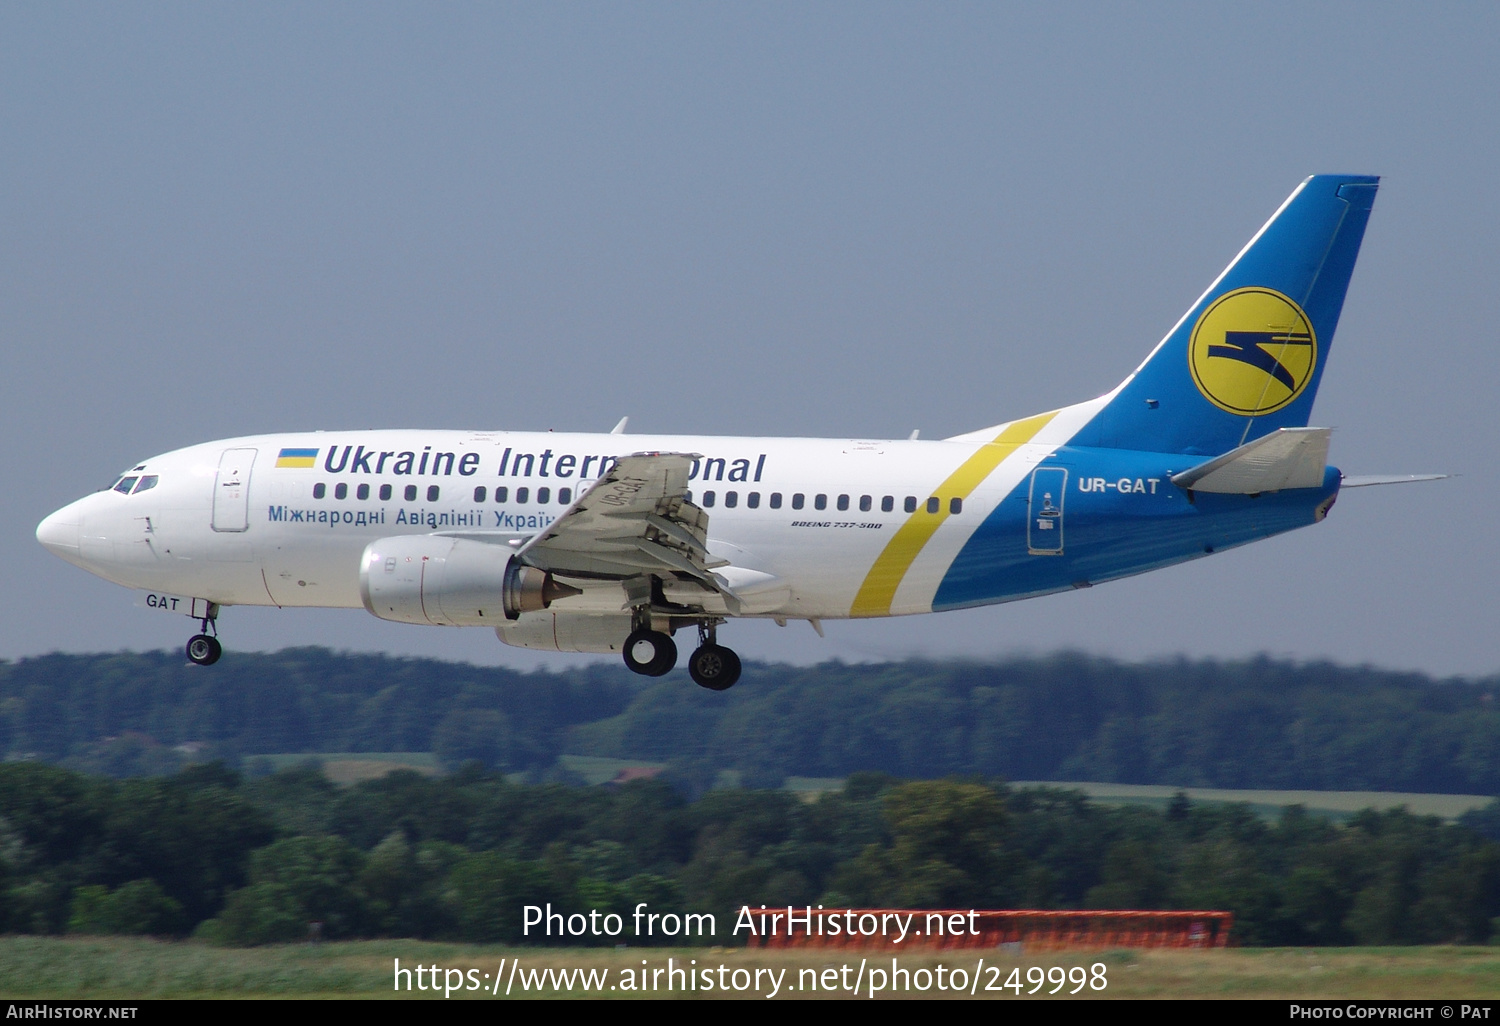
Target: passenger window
{"points": [[797, 500], [522, 494], [708, 499], [911, 504], [731, 500], [955, 505], [362, 492], [843, 502], [864, 503], [126, 483], [687, 496], [319, 490], [481, 493], [543, 496], [385, 493], [502, 493], [887, 503], [933, 504], [341, 491], [147, 483], [775, 500], [432, 493], [753, 500], [820, 501], [565, 495], [410, 493]]}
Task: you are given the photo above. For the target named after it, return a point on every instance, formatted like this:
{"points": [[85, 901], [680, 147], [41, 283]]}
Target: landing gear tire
{"points": [[650, 653], [714, 667], [204, 649]]}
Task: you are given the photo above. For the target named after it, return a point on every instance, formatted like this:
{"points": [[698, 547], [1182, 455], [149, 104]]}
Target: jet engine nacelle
{"points": [[567, 632], [430, 579]]}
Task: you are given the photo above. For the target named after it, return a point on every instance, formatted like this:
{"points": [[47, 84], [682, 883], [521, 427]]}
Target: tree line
{"points": [[248, 861], [1259, 723]]}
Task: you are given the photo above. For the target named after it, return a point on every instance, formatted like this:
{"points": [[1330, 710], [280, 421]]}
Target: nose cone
{"points": [[59, 533]]}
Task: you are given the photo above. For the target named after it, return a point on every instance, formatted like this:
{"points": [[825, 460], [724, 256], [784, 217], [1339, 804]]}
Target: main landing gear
{"points": [[649, 652], [654, 653], [713, 666], [203, 648]]}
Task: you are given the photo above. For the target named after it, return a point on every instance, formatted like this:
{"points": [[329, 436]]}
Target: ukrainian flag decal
{"points": [[299, 458]]}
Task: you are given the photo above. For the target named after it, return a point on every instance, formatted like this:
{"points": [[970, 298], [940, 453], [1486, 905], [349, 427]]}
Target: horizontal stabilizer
{"points": [[1366, 480], [1286, 458]]}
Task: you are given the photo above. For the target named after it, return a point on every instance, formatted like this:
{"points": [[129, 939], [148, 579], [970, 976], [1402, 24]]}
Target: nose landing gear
{"points": [[204, 648]]}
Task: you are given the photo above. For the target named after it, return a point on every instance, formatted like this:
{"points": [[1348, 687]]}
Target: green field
{"points": [[120, 968], [1336, 804], [593, 769], [809, 788], [350, 767]]}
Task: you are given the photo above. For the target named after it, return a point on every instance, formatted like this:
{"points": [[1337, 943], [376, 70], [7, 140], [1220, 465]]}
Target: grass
{"points": [[1335, 804], [125, 968]]}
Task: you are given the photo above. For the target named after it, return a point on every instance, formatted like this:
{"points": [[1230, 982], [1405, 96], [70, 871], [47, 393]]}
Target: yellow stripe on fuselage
{"points": [[879, 589]]}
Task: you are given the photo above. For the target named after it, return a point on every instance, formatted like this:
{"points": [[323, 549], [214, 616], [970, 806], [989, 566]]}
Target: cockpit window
{"points": [[147, 483], [125, 484]]}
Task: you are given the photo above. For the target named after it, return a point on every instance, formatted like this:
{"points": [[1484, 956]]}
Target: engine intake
{"points": [[427, 579]]}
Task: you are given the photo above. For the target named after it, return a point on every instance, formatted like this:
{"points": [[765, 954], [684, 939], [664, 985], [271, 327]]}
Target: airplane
{"points": [[614, 543]]}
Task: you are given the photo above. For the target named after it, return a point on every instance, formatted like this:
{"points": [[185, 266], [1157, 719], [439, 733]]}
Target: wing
{"points": [[634, 522]]}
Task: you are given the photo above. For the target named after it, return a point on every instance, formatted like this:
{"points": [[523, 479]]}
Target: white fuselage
{"points": [[226, 523]]}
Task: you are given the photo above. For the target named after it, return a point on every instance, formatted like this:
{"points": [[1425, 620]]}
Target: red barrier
{"points": [[1034, 930]]}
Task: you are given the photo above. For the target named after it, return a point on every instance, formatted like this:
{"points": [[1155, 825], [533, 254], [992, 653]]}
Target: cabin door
{"points": [[232, 490]]}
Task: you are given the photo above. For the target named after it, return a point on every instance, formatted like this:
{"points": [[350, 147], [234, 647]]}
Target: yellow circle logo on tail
{"points": [[1252, 352]]}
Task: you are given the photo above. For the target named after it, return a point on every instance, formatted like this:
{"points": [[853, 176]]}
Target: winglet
{"points": [[619, 429]]}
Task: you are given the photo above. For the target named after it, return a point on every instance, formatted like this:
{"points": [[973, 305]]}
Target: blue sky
{"points": [[830, 219]]}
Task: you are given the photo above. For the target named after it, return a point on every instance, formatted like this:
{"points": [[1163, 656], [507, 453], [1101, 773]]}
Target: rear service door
{"points": [[1044, 526]]}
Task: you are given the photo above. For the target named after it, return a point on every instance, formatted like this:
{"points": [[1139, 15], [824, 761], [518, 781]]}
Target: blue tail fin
{"points": [[1247, 357]]}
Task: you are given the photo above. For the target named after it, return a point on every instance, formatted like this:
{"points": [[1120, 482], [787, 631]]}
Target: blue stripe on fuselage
{"points": [[1117, 530]]}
